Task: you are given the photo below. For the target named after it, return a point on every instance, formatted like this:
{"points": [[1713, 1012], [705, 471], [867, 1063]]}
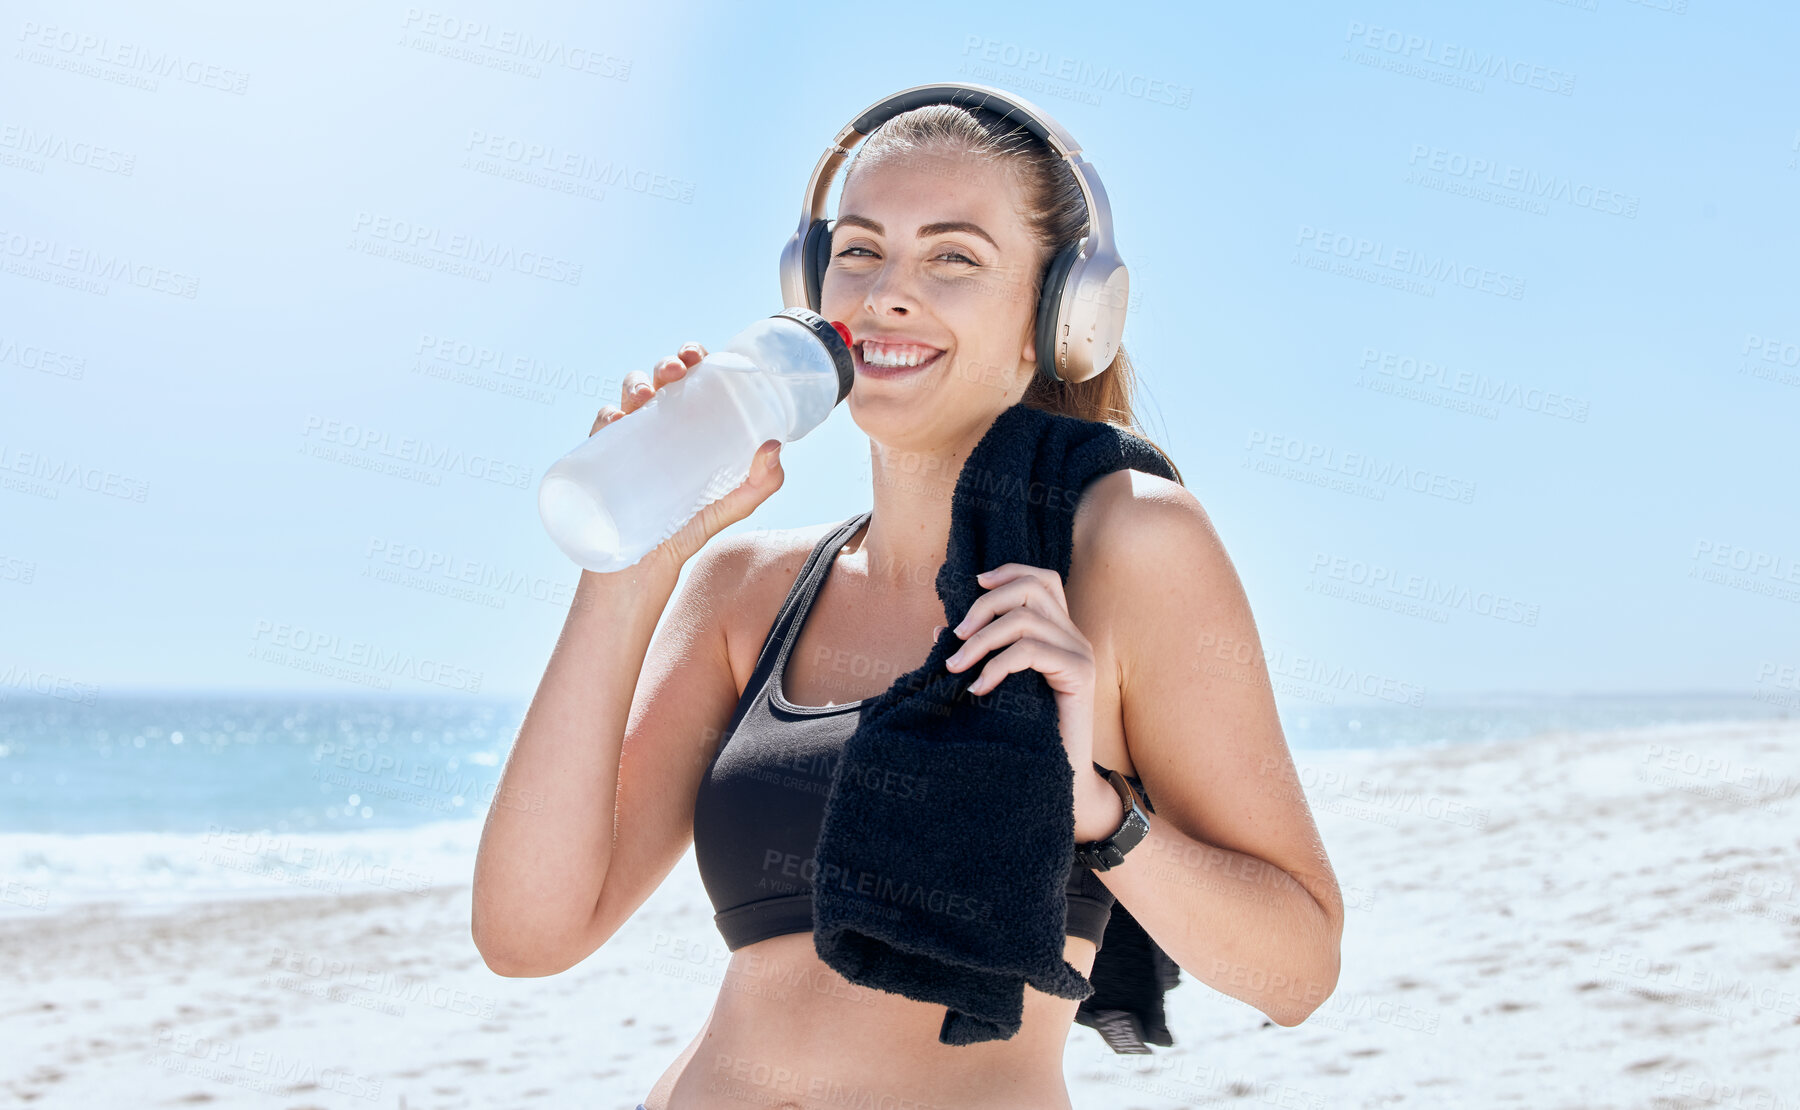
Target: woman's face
{"points": [[929, 252]]}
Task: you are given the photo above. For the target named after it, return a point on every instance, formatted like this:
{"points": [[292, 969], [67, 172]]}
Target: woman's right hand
{"points": [[765, 475]]}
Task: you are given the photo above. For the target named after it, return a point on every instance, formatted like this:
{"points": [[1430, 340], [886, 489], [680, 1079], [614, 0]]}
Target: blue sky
{"points": [[1536, 258]]}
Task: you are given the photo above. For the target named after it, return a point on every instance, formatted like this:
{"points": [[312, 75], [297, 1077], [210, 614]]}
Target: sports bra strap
{"points": [[800, 593]]}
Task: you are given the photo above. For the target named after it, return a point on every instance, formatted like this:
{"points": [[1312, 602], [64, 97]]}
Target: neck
{"points": [[909, 527]]}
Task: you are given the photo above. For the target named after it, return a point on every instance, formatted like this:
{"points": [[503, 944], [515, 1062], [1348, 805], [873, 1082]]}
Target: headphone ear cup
{"points": [[1049, 322], [815, 255]]}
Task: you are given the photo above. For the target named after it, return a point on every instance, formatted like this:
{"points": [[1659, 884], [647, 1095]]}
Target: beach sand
{"points": [[1572, 920]]}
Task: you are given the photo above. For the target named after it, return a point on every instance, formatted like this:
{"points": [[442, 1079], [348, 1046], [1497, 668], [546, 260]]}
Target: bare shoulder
{"points": [[1129, 519], [1152, 570], [737, 565], [744, 577]]}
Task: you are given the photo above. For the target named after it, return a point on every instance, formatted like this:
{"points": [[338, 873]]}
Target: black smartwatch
{"points": [[1104, 855]]}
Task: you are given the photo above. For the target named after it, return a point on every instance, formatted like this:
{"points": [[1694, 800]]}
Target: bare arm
{"points": [[550, 844], [549, 835], [1233, 881]]}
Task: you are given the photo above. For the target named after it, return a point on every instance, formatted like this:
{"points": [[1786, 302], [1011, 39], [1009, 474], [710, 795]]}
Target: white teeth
{"points": [[876, 354]]}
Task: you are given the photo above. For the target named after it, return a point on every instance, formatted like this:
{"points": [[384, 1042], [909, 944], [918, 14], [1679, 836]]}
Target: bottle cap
{"points": [[835, 337]]}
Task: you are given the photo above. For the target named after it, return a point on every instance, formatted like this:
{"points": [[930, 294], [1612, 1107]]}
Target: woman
{"points": [[948, 219]]}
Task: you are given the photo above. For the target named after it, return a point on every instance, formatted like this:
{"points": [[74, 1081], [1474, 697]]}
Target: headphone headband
{"points": [[966, 96], [1081, 306]]}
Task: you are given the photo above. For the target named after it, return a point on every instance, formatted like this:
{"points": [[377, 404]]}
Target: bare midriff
{"points": [[787, 1032]]}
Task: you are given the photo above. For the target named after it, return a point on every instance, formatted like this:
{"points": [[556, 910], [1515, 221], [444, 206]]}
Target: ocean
{"points": [[153, 800]]}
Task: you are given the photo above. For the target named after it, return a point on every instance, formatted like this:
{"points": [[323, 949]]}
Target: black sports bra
{"points": [[761, 803]]}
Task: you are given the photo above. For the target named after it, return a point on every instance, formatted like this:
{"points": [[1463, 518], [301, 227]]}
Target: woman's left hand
{"points": [[1024, 607]]}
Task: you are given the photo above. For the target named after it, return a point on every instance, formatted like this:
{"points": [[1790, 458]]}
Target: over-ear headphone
{"points": [[1081, 304]]}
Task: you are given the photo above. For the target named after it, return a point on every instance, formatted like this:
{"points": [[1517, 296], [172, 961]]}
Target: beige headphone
{"points": [[1081, 304]]}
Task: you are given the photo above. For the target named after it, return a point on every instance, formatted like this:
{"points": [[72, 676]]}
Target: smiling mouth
{"points": [[892, 359]]}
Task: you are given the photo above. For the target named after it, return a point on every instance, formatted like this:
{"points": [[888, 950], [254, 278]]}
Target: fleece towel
{"points": [[949, 829]]}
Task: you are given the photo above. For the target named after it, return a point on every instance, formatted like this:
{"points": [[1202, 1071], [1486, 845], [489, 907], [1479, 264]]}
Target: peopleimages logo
{"points": [[82, 50], [526, 369], [32, 145], [1518, 179], [310, 649], [48, 259], [16, 677], [530, 50], [1475, 386], [406, 449], [341, 973], [575, 165], [1055, 67], [1354, 249], [1380, 585], [1337, 676], [1383, 473], [438, 571], [45, 360], [1460, 59], [1779, 359], [465, 248], [48, 475]]}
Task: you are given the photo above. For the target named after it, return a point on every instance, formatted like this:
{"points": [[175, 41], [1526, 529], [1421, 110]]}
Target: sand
{"points": [[1573, 920]]}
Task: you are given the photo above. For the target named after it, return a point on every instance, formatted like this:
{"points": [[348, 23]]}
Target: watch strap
{"points": [[1104, 855]]}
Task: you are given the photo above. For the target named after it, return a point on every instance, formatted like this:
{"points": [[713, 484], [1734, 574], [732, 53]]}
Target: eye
{"points": [[949, 254]]}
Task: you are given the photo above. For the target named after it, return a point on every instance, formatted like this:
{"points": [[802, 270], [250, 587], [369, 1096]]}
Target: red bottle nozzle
{"points": [[845, 332]]}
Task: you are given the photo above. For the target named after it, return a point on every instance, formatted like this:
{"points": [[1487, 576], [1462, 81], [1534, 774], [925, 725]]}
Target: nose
{"points": [[889, 293]]}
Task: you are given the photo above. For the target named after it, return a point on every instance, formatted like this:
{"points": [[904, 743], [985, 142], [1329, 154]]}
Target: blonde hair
{"points": [[1055, 215]]}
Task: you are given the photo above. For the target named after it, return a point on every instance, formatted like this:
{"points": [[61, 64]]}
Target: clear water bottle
{"points": [[639, 479]]}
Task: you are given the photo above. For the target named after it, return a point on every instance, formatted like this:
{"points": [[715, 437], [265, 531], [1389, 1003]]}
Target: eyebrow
{"points": [[926, 230]]}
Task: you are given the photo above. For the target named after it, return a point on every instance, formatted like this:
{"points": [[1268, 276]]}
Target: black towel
{"points": [[949, 831]]}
